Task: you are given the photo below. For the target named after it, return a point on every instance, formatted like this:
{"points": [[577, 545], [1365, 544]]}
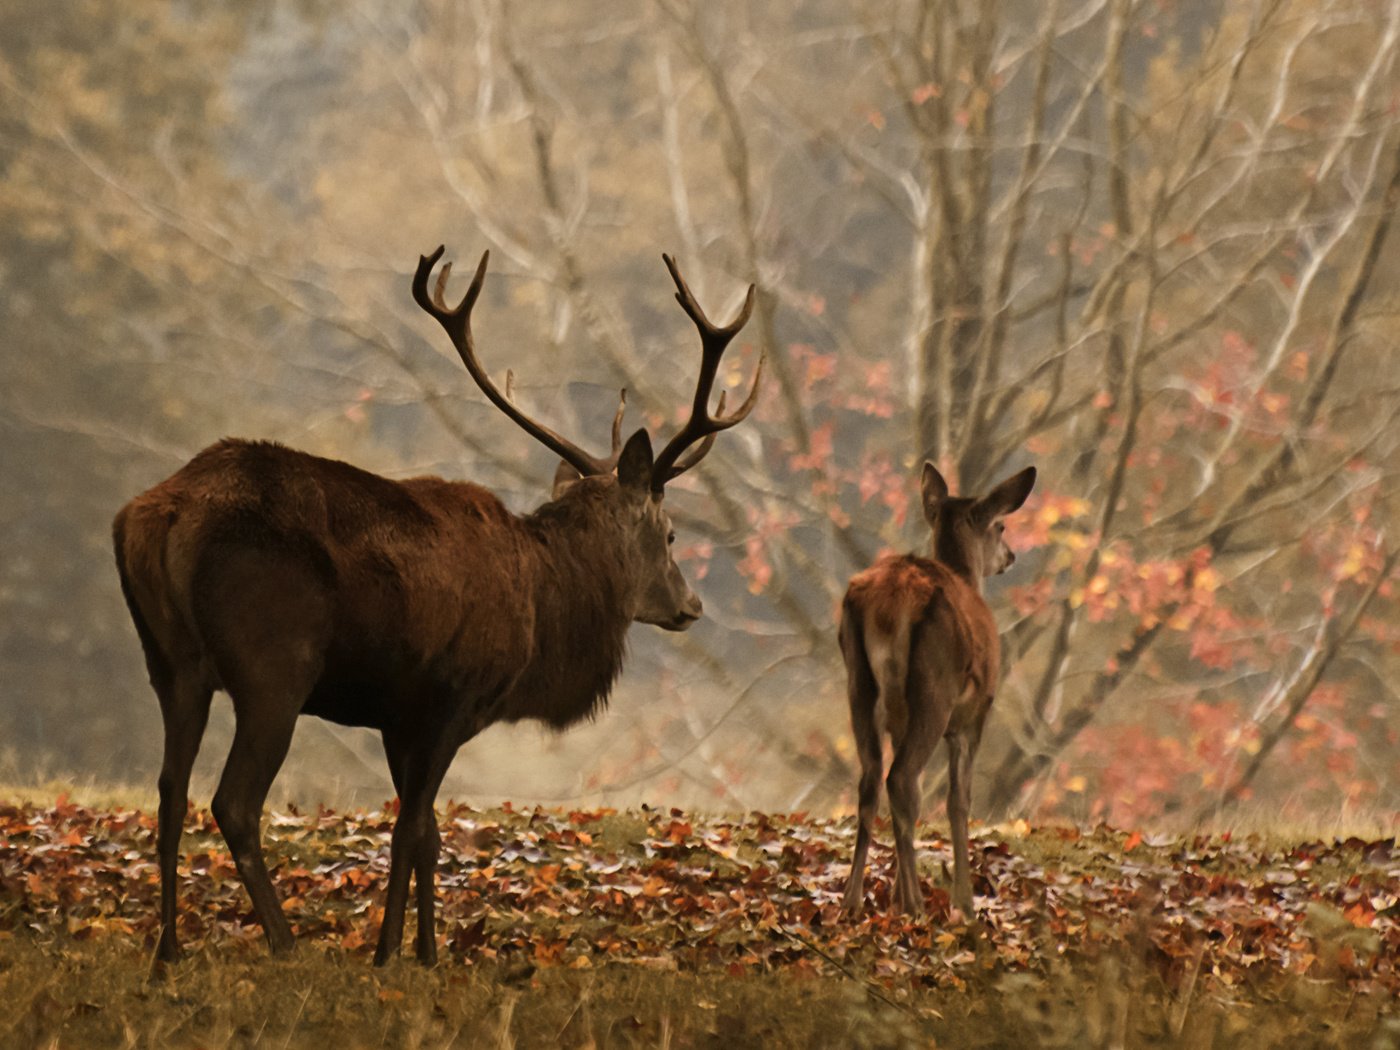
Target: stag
{"points": [[922, 656], [421, 608]]}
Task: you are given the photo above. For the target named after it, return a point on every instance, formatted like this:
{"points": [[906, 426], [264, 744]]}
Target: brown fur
{"points": [[922, 657], [436, 586], [420, 608]]}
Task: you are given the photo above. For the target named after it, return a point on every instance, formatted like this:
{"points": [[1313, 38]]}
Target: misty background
{"points": [[1146, 246]]}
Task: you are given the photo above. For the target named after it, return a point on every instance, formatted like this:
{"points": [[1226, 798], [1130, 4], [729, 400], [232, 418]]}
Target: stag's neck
{"points": [[583, 610]]}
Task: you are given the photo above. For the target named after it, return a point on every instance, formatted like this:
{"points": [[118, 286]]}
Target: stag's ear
{"points": [[634, 466], [1006, 497], [935, 491], [565, 478]]}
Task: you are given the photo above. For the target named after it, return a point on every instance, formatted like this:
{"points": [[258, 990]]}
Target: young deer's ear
{"points": [[565, 477], [935, 491], [1006, 497], [634, 467]]}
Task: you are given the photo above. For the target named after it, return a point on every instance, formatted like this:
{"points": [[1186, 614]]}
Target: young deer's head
{"points": [[968, 530], [659, 593]]}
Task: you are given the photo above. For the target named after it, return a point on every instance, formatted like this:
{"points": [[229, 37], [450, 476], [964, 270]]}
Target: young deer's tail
{"points": [[863, 689]]}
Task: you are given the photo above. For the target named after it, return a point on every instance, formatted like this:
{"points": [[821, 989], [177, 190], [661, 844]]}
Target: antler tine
{"points": [[700, 451], [702, 426], [686, 298], [617, 424], [456, 321], [616, 454]]}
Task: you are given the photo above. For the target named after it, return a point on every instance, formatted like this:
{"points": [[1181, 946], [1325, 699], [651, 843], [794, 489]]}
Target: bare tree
{"points": [[1150, 248]]}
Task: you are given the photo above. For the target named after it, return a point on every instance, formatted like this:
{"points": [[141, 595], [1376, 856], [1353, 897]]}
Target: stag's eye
{"points": [[670, 537]]}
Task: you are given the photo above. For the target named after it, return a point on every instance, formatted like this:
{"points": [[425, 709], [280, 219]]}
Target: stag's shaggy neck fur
{"points": [[584, 598]]}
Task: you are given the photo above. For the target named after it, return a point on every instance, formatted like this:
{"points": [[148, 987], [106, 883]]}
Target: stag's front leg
{"points": [[415, 846]]}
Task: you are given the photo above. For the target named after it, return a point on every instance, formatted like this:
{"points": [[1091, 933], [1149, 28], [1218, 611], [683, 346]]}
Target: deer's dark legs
{"points": [[259, 746], [425, 862], [962, 746], [929, 712], [265, 614], [862, 694], [871, 772], [910, 757], [414, 849], [184, 706]]}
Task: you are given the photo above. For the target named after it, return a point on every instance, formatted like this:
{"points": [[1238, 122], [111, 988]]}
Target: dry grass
{"points": [[101, 994]]}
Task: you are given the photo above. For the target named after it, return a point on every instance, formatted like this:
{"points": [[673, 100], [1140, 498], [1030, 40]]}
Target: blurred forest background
{"points": [[1145, 245]]}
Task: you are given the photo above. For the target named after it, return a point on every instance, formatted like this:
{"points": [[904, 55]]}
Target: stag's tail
{"points": [[157, 662]]}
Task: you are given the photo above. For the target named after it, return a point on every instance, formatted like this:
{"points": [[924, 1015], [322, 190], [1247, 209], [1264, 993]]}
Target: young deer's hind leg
{"points": [[962, 747], [917, 719], [910, 757], [929, 710]]}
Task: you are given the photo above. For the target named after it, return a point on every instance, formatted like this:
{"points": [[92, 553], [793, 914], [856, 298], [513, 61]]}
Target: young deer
{"points": [[922, 655]]}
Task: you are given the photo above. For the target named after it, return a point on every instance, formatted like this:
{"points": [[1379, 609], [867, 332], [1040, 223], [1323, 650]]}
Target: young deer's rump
{"points": [[922, 657]]}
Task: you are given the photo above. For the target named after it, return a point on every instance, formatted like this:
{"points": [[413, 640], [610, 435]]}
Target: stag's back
{"points": [[250, 539]]}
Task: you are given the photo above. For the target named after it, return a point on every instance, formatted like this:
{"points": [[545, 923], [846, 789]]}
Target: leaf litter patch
{"points": [[665, 889]]}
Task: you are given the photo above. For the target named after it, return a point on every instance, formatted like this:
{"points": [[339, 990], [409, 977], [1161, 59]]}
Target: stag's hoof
{"points": [[167, 955], [281, 943], [168, 952]]}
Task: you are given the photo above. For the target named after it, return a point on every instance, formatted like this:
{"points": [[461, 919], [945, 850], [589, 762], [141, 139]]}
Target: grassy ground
{"points": [[663, 929]]}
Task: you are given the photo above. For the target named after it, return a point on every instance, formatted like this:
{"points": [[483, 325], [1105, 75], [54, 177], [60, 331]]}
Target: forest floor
{"points": [[663, 929]]}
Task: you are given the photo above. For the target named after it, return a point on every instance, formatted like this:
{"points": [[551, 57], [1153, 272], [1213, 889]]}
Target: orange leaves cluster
{"points": [[756, 566], [819, 449], [1228, 390]]}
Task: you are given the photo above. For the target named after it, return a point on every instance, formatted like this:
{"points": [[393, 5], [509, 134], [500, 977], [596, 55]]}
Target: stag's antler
{"points": [[457, 323], [701, 426]]}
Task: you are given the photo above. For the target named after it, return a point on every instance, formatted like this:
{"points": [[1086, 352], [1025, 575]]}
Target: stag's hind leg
{"points": [[266, 616], [259, 747], [184, 707], [862, 693]]}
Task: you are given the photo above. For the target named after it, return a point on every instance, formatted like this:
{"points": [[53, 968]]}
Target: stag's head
{"points": [[969, 531], [631, 480]]}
